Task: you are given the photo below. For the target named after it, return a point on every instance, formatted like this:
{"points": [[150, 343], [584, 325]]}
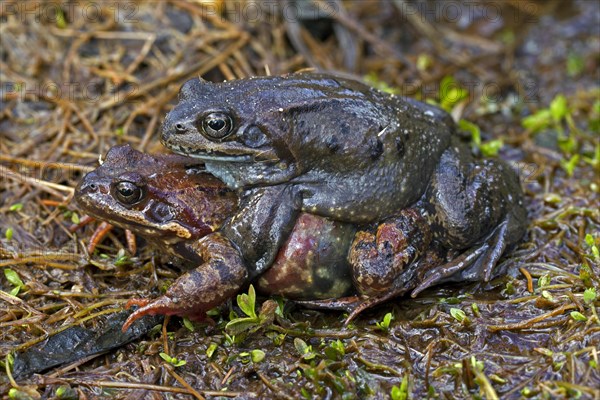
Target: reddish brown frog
{"points": [[174, 204]]}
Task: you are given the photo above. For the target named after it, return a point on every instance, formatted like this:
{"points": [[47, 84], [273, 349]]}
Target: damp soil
{"points": [[77, 78]]}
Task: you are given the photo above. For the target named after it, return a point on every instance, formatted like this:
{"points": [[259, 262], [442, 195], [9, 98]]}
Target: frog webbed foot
{"points": [[353, 305], [475, 264]]}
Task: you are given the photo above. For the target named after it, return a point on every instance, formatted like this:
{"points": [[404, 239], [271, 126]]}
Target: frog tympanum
{"points": [[334, 147]]}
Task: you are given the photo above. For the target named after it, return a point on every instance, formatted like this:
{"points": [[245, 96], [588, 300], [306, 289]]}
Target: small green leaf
{"points": [[545, 351], [537, 121], [424, 61], [211, 349], [384, 325], [16, 207], [244, 357], [585, 274], [9, 233], [458, 314], [492, 147], [188, 324], [473, 129], [451, 93], [510, 288], [400, 393], [544, 280], [16, 394], [179, 363], [305, 350], [589, 240], [577, 316], [527, 392], [569, 166], [229, 340], [300, 346], [13, 277], [172, 360], [61, 21], [257, 356], [335, 351], [60, 391], [595, 160], [476, 364], [239, 325], [568, 144], [547, 295], [305, 393], [75, 218], [372, 79], [589, 295], [66, 393], [214, 312], [558, 108], [247, 302], [552, 198], [122, 259], [591, 243]]}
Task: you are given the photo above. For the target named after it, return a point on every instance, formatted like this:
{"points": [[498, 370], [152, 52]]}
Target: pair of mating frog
{"points": [[314, 187]]}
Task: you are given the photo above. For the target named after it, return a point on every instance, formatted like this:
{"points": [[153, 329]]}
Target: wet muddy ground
{"points": [[77, 78]]}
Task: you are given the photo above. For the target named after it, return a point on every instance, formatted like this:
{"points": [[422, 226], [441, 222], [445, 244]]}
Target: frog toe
{"points": [[338, 304], [163, 305], [353, 305], [486, 265], [476, 264]]}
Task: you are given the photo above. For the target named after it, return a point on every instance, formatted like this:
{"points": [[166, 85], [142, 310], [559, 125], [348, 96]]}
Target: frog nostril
{"points": [[88, 187], [180, 128]]}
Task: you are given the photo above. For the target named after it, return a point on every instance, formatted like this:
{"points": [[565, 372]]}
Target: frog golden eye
{"points": [[128, 192], [217, 125]]}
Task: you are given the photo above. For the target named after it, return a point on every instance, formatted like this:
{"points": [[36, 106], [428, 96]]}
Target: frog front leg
{"points": [[265, 220], [476, 207], [217, 279]]}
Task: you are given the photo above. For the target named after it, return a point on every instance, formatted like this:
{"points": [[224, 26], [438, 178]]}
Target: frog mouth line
{"points": [[211, 157], [150, 228], [219, 156]]}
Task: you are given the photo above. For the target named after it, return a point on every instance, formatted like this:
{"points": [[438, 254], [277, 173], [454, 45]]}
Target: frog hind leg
{"points": [[387, 261], [476, 206], [403, 283], [476, 264], [220, 277], [380, 257]]}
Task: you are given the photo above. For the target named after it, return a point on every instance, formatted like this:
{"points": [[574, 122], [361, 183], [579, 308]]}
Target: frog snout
{"points": [[178, 122], [89, 184]]}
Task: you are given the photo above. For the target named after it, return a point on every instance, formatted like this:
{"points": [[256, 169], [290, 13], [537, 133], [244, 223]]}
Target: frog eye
{"points": [[217, 125], [128, 192]]}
